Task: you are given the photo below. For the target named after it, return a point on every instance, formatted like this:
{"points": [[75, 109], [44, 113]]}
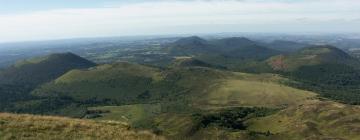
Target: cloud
{"points": [[163, 17]]}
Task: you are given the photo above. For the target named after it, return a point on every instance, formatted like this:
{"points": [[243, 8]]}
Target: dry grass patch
{"points": [[44, 127]]}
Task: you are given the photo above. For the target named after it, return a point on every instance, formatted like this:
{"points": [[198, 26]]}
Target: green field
{"points": [[253, 93], [138, 115]]}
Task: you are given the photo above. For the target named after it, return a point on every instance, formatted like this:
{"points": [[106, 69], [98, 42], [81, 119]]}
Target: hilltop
{"points": [[189, 46], [310, 56], [324, 69], [237, 47], [42, 69], [236, 53]]}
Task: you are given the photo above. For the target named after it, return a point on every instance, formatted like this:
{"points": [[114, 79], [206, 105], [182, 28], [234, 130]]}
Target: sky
{"points": [[24, 20]]}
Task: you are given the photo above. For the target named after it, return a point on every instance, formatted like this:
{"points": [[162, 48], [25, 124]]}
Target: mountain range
{"points": [[230, 88]]}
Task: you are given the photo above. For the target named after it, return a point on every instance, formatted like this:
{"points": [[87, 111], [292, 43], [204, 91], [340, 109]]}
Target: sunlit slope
{"points": [[253, 93], [312, 120], [243, 89], [43, 127]]}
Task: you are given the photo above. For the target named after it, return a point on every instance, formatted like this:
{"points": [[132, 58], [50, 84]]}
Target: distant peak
{"points": [[63, 54], [238, 40], [193, 40], [325, 48]]}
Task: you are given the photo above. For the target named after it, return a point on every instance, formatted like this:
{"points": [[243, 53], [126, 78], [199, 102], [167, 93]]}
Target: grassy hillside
{"points": [[323, 69], [17, 81], [308, 119], [137, 115], [118, 83], [45, 127], [311, 56], [193, 98], [241, 89], [177, 87], [253, 93], [313, 119]]}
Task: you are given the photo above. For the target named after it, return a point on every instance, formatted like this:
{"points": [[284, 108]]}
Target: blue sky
{"points": [[22, 20], [21, 6]]}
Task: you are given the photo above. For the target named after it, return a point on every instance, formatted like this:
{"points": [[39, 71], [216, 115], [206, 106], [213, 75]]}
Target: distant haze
{"points": [[40, 20]]}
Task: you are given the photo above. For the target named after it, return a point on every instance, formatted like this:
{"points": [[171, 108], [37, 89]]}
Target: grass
{"points": [[107, 71], [312, 119], [206, 89], [30, 61], [263, 90], [252, 93], [131, 83], [174, 125], [310, 56], [138, 115], [45, 127], [121, 82]]}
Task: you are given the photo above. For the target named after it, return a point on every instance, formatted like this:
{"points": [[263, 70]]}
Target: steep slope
{"points": [[45, 127]]}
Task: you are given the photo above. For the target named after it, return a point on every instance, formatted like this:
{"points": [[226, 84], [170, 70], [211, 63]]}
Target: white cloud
{"points": [[163, 17]]}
